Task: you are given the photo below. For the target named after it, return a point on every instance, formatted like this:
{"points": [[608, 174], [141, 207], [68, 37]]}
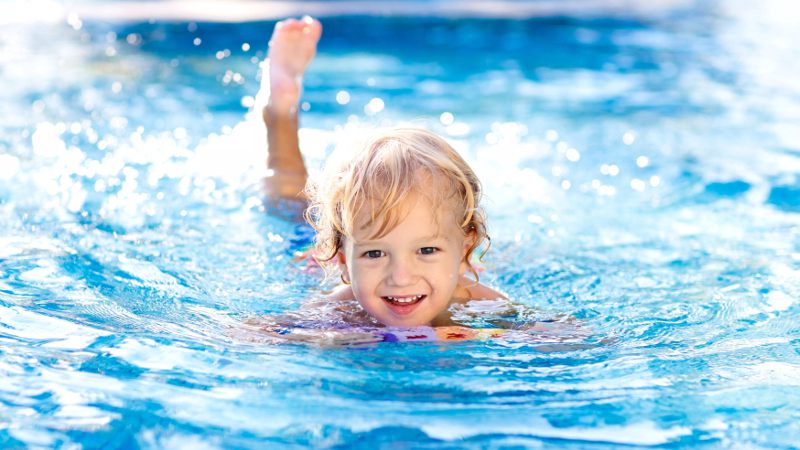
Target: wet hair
{"points": [[370, 188]]}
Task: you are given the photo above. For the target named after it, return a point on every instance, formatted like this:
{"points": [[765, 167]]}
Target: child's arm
{"points": [[285, 329]]}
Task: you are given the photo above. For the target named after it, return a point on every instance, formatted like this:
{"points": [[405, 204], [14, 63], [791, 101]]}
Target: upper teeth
{"points": [[405, 299]]}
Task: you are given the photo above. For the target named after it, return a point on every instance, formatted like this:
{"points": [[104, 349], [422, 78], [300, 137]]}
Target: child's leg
{"points": [[293, 45]]}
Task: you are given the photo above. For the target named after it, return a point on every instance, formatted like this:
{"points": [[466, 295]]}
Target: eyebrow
{"points": [[378, 242]]}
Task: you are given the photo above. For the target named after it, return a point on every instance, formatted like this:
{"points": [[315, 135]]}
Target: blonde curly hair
{"points": [[377, 179]]}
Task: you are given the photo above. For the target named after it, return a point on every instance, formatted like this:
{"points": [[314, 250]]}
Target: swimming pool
{"points": [[641, 174]]}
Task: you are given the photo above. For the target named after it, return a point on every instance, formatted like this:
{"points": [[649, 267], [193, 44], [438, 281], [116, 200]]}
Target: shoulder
{"points": [[479, 291], [341, 292]]}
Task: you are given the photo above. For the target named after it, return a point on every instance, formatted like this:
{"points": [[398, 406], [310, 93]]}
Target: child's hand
{"points": [[351, 338], [307, 258], [328, 338]]}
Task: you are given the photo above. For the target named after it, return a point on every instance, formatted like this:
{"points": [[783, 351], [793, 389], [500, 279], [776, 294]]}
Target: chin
{"points": [[393, 321]]}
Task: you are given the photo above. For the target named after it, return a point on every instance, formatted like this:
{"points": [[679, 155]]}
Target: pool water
{"points": [[642, 176]]}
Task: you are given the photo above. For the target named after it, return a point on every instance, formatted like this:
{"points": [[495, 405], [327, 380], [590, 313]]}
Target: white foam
{"points": [[9, 165], [150, 275], [64, 334], [769, 373], [640, 433]]}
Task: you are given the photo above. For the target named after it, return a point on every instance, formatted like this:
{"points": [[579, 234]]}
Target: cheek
{"points": [[359, 287], [362, 277]]}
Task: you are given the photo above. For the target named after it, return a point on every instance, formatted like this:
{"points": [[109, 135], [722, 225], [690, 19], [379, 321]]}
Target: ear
{"points": [[469, 240], [341, 260]]}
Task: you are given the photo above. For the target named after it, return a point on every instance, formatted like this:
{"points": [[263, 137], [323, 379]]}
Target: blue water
{"points": [[642, 175]]}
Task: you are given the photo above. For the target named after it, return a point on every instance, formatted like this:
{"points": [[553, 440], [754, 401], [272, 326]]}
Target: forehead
{"points": [[416, 214]]}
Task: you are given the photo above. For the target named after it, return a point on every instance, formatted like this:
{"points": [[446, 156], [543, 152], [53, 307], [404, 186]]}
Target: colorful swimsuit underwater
{"points": [[412, 334]]}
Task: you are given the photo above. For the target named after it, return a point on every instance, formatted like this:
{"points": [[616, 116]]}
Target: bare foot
{"points": [[292, 47]]}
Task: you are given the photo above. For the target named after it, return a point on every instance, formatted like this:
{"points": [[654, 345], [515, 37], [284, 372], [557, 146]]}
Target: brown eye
{"points": [[428, 250]]}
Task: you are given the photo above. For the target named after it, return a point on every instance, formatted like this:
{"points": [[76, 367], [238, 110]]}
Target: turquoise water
{"points": [[641, 172]]}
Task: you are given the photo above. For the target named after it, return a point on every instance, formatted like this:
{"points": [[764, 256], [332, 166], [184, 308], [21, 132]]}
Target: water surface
{"points": [[641, 175]]}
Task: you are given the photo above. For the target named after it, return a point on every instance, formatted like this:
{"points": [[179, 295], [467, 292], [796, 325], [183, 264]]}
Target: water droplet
{"points": [[446, 118], [655, 181], [573, 154], [134, 39], [374, 106], [248, 101], [611, 170], [74, 21], [533, 218], [342, 97], [628, 138], [638, 185]]}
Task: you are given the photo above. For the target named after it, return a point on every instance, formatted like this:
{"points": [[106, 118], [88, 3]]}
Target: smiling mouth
{"points": [[406, 300]]}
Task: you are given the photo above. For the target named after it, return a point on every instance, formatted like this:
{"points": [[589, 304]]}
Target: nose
{"points": [[402, 272]]}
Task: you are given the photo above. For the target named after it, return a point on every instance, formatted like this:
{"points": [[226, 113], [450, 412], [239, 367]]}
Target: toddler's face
{"points": [[409, 276]]}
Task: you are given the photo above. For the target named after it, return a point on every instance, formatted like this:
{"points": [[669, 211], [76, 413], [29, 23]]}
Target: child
{"points": [[400, 219]]}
